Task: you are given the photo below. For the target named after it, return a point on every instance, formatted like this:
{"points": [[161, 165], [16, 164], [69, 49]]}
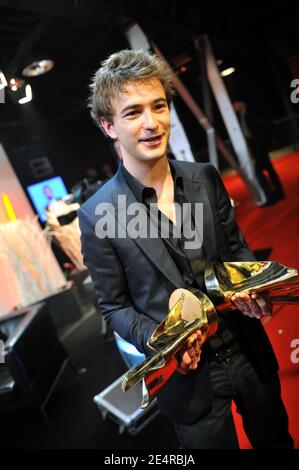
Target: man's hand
{"points": [[252, 305], [189, 355]]}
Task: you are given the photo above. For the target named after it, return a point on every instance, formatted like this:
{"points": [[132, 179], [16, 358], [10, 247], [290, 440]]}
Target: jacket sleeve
{"points": [[237, 243], [111, 287]]}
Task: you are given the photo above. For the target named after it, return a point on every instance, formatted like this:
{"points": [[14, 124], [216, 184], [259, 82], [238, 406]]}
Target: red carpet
{"points": [[276, 227]]}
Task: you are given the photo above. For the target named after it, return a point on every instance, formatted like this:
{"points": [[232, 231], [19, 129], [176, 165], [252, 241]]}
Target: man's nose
{"points": [[149, 119]]}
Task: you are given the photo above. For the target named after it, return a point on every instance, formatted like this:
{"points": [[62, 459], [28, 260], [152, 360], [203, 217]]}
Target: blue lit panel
{"points": [[129, 353]]}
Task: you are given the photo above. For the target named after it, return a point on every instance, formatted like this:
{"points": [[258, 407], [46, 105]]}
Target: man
{"points": [[53, 204], [255, 130], [135, 275]]}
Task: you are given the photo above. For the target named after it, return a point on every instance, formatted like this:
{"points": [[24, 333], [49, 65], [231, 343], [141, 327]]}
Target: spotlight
{"points": [[227, 71], [28, 96], [38, 67], [20, 92], [15, 84]]}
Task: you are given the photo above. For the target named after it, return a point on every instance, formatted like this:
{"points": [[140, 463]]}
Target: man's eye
{"points": [[132, 113], [161, 106]]}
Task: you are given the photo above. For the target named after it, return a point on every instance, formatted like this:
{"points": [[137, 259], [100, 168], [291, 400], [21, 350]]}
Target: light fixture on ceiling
{"points": [[227, 71], [38, 67], [3, 81], [28, 95], [15, 84]]}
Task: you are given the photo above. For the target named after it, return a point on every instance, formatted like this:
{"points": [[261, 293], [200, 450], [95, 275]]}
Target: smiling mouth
{"points": [[152, 139]]}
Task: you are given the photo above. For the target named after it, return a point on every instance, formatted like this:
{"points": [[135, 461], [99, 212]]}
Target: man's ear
{"points": [[108, 128]]}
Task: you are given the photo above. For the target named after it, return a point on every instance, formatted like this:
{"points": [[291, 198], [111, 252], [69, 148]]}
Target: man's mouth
{"points": [[152, 141]]}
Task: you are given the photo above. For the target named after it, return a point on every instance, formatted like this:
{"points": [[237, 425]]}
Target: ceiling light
{"points": [[3, 81], [228, 71], [28, 96], [39, 67], [15, 84], [19, 91]]}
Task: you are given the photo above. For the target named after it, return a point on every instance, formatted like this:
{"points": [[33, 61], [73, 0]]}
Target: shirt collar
{"points": [[141, 191]]}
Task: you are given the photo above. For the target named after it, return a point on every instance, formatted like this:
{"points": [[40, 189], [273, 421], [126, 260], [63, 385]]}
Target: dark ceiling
{"points": [[78, 34]]}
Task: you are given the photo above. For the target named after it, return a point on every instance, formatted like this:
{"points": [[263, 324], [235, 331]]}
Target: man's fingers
{"points": [[186, 359], [194, 362], [264, 304], [193, 366], [253, 305], [198, 337], [247, 305], [239, 302], [191, 352], [191, 340], [201, 337], [189, 359], [189, 355]]}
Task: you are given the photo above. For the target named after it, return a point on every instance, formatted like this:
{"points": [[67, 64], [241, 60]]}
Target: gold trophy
{"points": [[188, 312], [277, 282], [192, 311]]}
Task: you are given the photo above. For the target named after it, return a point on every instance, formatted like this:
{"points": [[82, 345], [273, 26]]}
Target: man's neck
{"points": [[151, 174]]}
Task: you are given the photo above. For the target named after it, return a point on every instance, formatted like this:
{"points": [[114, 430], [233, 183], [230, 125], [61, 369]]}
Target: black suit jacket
{"points": [[134, 278]]}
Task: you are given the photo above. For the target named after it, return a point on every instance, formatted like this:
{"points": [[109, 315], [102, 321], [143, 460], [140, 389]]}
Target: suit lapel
{"points": [[196, 192]]}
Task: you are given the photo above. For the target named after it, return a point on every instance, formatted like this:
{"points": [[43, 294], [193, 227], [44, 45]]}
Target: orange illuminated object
{"points": [[8, 207]]}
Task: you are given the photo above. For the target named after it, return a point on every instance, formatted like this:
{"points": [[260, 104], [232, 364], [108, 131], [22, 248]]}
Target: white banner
{"points": [[178, 141]]}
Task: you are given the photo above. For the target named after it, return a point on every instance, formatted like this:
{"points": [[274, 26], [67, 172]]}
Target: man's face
{"points": [[141, 122]]}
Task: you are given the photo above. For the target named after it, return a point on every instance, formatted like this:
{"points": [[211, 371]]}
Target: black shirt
{"points": [[191, 261]]}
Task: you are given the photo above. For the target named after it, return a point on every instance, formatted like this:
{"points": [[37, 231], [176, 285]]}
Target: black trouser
{"points": [[258, 400]]}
